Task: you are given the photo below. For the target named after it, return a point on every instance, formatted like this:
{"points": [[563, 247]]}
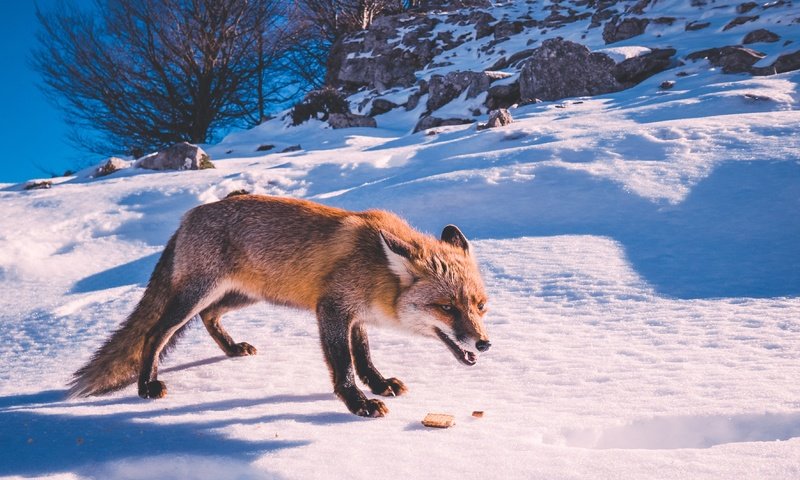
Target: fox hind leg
{"points": [[388, 387], [212, 316]]}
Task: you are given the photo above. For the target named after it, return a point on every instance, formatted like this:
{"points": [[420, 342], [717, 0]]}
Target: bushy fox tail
{"points": [[116, 364]]}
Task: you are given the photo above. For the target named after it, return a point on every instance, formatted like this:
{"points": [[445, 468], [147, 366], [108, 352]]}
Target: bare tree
{"points": [[146, 73]]}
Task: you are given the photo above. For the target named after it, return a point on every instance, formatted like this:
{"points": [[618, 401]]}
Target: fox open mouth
{"points": [[463, 356]]}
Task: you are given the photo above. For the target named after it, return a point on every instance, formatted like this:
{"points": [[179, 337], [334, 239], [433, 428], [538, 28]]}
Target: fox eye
{"points": [[446, 308], [481, 306]]}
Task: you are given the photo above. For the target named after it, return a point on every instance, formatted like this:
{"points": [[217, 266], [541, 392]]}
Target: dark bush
{"points": [[323, 101]]}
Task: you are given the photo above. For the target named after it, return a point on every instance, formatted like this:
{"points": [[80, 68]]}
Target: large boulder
{"points": [[560, 69], [181, 156], [443, 89]]}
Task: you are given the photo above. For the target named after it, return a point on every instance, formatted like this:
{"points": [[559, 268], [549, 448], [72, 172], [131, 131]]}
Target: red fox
{"points": [[352, 269]]}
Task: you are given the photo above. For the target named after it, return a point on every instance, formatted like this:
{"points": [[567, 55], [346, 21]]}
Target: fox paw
{"points": [[391, 387], [371, 408], [242, 349], [153, 389]]}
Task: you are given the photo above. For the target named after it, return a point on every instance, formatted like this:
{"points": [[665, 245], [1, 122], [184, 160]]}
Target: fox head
{"points": [[442, 294]]}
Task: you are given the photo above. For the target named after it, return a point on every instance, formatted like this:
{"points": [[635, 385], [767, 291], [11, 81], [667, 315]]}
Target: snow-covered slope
{"points": [[640, 250]]}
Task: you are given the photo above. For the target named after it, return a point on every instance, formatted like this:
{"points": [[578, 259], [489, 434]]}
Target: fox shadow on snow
{"points": [[39, 443]]}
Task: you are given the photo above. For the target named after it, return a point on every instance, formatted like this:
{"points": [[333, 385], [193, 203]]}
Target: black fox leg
{"points": [[366, 370], [334, 331], [213, 315], [176, 314]]}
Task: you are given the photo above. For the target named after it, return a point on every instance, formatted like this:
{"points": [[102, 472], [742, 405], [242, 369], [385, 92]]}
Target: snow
{"points": [[640, 253]]}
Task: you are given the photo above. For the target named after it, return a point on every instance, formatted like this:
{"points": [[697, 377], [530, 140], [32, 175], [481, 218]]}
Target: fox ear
{"points": [[452, 235], [398, 254]]}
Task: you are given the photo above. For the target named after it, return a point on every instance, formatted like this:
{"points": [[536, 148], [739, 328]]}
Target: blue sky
{"points": [[32, 132]]}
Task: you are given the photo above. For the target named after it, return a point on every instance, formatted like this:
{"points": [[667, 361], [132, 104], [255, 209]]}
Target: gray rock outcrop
{"points": [[497, 118], [112, 165], [560, 69], [181, 156], [443, 89]]}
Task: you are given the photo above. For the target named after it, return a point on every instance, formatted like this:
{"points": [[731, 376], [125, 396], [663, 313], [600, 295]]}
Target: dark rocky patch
{"points": [[692, 26], [616, 30], [350, 120], [762, 35], [739, 21], [731, 59], [443, 89], [432, 122], [381, 106], [633, 70]]}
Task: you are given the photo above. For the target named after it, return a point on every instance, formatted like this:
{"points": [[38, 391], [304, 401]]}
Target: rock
{"points": [[745, 7], [502, 96], [739, 21], [505, 29], [732, 59], [639, 7], [433, 122], [292, 148], [560, 69], [627, 28], [112, 165], [350, 120], [785, 63], [497, 118], [181, 156], [667, 84], [482, 21], [381, 106], [265, 147], [513, 60], [692, 26], [38, 185], [634, 70], [443, 89], [413, 100], [762, 35]]}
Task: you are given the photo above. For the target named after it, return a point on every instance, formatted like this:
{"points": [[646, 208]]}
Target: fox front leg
{"points": [[334, 332], [388, 387]]}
